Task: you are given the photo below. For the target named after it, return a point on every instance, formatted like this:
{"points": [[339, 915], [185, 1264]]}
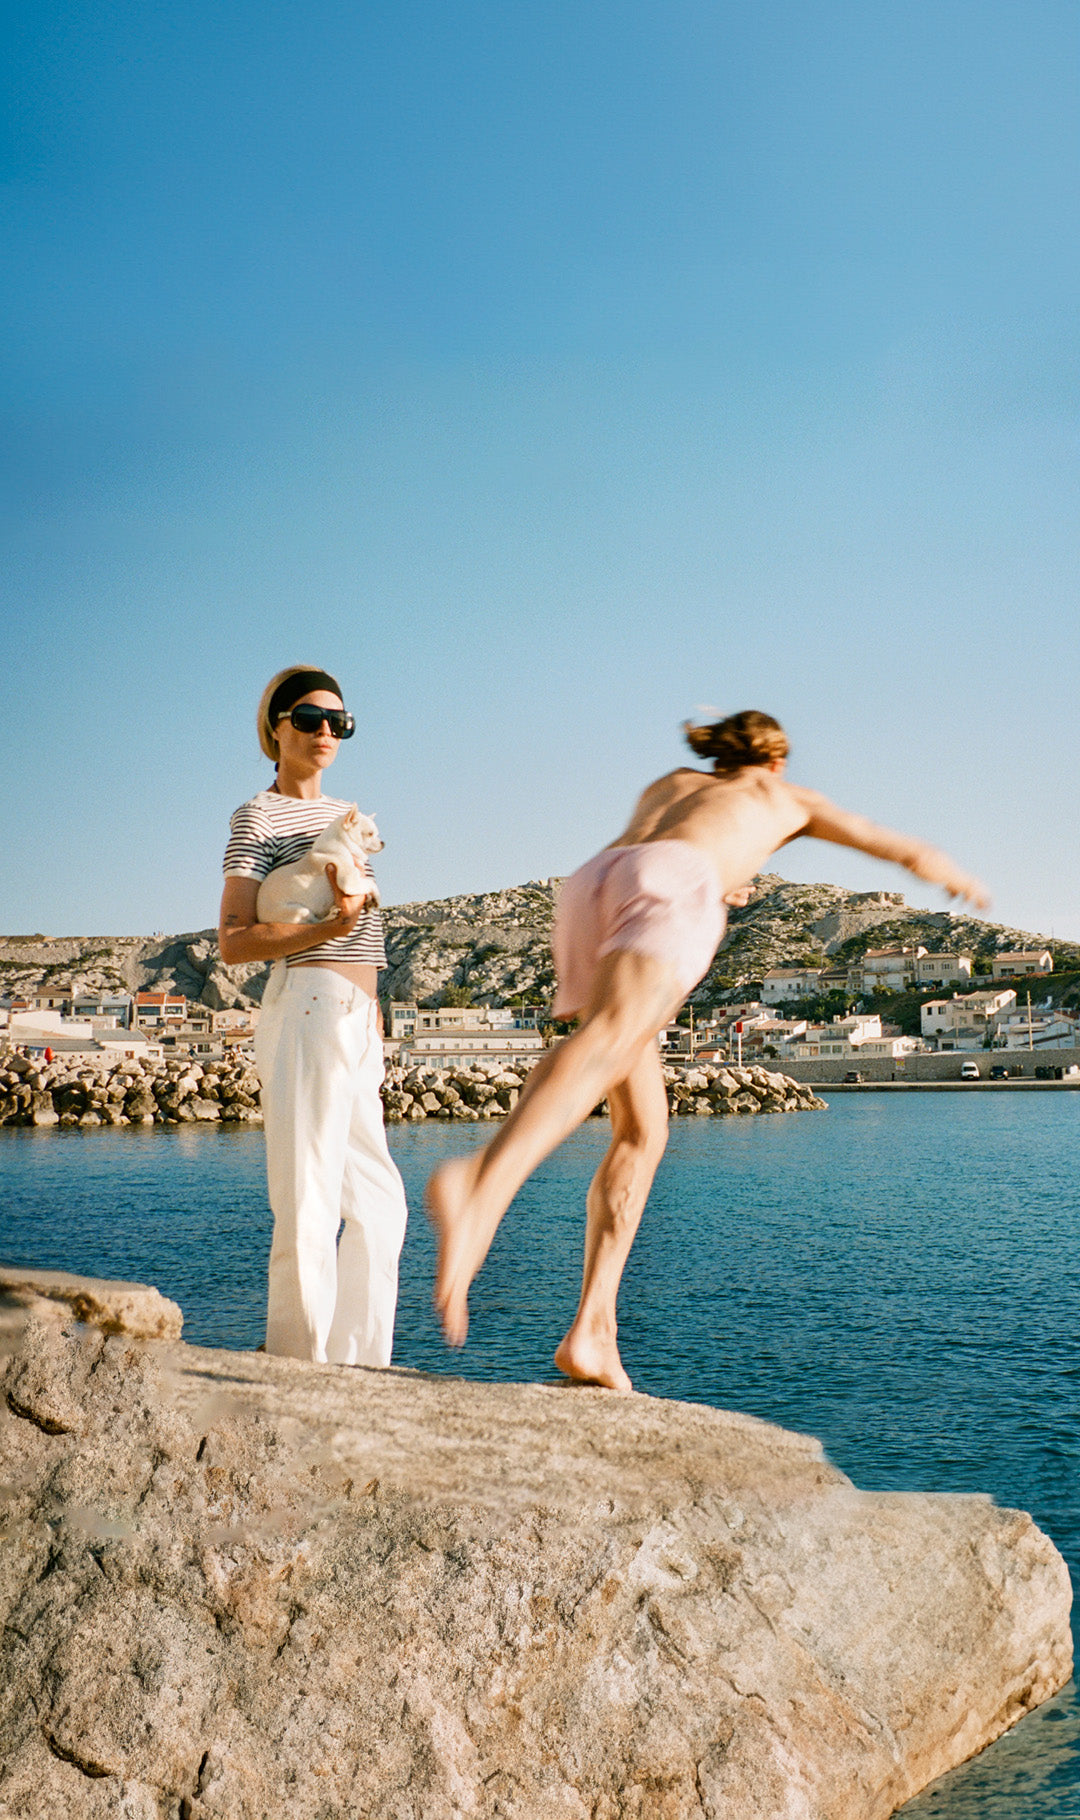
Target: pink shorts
{"points": [[660, 898]]}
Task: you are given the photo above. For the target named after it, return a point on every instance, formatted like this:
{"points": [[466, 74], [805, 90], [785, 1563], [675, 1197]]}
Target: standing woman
{"points": [[318, 1051]]}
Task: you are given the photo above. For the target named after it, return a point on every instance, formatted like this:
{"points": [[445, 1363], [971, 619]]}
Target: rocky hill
{"points": [[785, 923], [495, 945]]}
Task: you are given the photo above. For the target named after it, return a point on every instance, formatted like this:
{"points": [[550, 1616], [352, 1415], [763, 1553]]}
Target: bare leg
{"points": [[616, 1202], [633, 998]]}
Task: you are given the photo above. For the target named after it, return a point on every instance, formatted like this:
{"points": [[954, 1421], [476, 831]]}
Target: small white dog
{"points": [[300, 892]]}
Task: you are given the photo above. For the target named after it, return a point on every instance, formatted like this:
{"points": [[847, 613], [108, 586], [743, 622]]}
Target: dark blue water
{"points": [[899, 1276]]}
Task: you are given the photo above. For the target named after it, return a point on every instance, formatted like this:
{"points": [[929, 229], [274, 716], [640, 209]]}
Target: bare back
{"points": [[740, 818]]}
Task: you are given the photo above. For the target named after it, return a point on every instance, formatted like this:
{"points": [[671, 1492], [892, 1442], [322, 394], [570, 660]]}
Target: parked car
{"points": [[969, 1071], [999, 1072], [852, 1077]]}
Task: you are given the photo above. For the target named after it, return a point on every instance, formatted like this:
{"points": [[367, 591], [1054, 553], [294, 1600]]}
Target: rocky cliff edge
{"points": [[241, 1588]]}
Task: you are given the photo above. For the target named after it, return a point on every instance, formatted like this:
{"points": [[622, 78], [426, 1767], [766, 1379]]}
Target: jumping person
{"points": [[635, 930], [318, 1051]]}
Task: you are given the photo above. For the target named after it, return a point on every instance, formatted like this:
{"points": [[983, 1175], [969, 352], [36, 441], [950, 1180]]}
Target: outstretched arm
{"points": [[827, 822]]}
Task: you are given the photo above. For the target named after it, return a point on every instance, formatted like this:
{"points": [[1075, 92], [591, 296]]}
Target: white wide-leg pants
{"points": [[320, 1063]]}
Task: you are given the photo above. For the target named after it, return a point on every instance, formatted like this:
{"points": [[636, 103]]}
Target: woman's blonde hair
{"points": [[267, 736], [748, 738]]}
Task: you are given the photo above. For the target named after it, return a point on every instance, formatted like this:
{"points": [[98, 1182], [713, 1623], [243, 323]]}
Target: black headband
{"points": [[302, 682]]}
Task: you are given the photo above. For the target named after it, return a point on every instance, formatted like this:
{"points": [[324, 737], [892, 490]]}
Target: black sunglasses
{"points": [[307, 718]]}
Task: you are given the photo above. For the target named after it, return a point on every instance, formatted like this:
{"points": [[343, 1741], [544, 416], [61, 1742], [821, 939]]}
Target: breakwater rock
{"points": [[152, 1091], [485, 1091], [242, 1588], [103, 1091]]}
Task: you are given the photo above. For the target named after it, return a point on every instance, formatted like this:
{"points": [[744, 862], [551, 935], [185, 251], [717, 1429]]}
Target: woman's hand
{"points": [[349, 909]]}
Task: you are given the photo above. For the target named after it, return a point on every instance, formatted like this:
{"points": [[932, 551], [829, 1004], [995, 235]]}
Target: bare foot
{"points": [[460, 1256], [589, 1360]]}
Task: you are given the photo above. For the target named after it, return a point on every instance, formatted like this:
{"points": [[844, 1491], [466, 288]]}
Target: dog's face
{"points": [[360, 831]]}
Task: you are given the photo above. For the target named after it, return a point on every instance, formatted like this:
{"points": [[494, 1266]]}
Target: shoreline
{"points": [[1017, 1086]]}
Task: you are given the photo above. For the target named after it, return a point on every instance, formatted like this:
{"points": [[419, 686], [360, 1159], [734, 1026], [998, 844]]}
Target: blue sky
{"points": [[547, 372]]}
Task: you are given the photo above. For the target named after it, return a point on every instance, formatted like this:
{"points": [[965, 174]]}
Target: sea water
{"points": [[899, 1276]]}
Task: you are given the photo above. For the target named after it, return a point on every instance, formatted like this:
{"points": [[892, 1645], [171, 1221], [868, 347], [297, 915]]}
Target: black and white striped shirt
{"points": [[273, 830]]}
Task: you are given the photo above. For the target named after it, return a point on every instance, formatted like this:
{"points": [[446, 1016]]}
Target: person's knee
{"points": [[643, 1146], [644, 1133], [657, 1140], [594, 1050]]}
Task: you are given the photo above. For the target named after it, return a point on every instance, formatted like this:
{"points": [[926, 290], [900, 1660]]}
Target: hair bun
{"points": [[747, 738]]}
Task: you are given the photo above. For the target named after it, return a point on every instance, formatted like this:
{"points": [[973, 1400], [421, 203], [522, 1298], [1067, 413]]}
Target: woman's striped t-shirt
{"points": [[273, 830]]}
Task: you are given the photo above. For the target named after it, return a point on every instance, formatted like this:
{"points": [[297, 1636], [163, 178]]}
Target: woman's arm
{"points": [[241, 937], [827, 822]]}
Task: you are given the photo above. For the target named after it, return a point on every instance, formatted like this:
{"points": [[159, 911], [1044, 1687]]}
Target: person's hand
{"points": [[938, 869], [348, 908], [739, 896]]}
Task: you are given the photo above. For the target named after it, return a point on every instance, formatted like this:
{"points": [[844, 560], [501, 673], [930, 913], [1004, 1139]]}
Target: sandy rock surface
{"points": [[240, 1588], [134, 1309]]}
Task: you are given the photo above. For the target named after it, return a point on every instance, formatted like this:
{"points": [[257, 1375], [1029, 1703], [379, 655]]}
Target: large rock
{"points": [[240, 1588], [134, 1309]]}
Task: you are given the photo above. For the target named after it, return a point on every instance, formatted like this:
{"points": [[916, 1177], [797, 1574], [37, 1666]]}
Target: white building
{"points": [[769, 1034], [461, 1036], [38, 1027], [845, 1038], [889, 969], [157, 1010], [965, 1019], [891, 1047], [404, 1020], [52, 998], [110, 1010], [128, 1045], [1037, 1029], [942, 969], [1022, 962], [464, 1048], [782, 984]]}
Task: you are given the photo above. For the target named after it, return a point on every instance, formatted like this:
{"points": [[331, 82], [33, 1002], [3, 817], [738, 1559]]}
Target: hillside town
{"points": [[68, 1020], [779, 1024]]}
